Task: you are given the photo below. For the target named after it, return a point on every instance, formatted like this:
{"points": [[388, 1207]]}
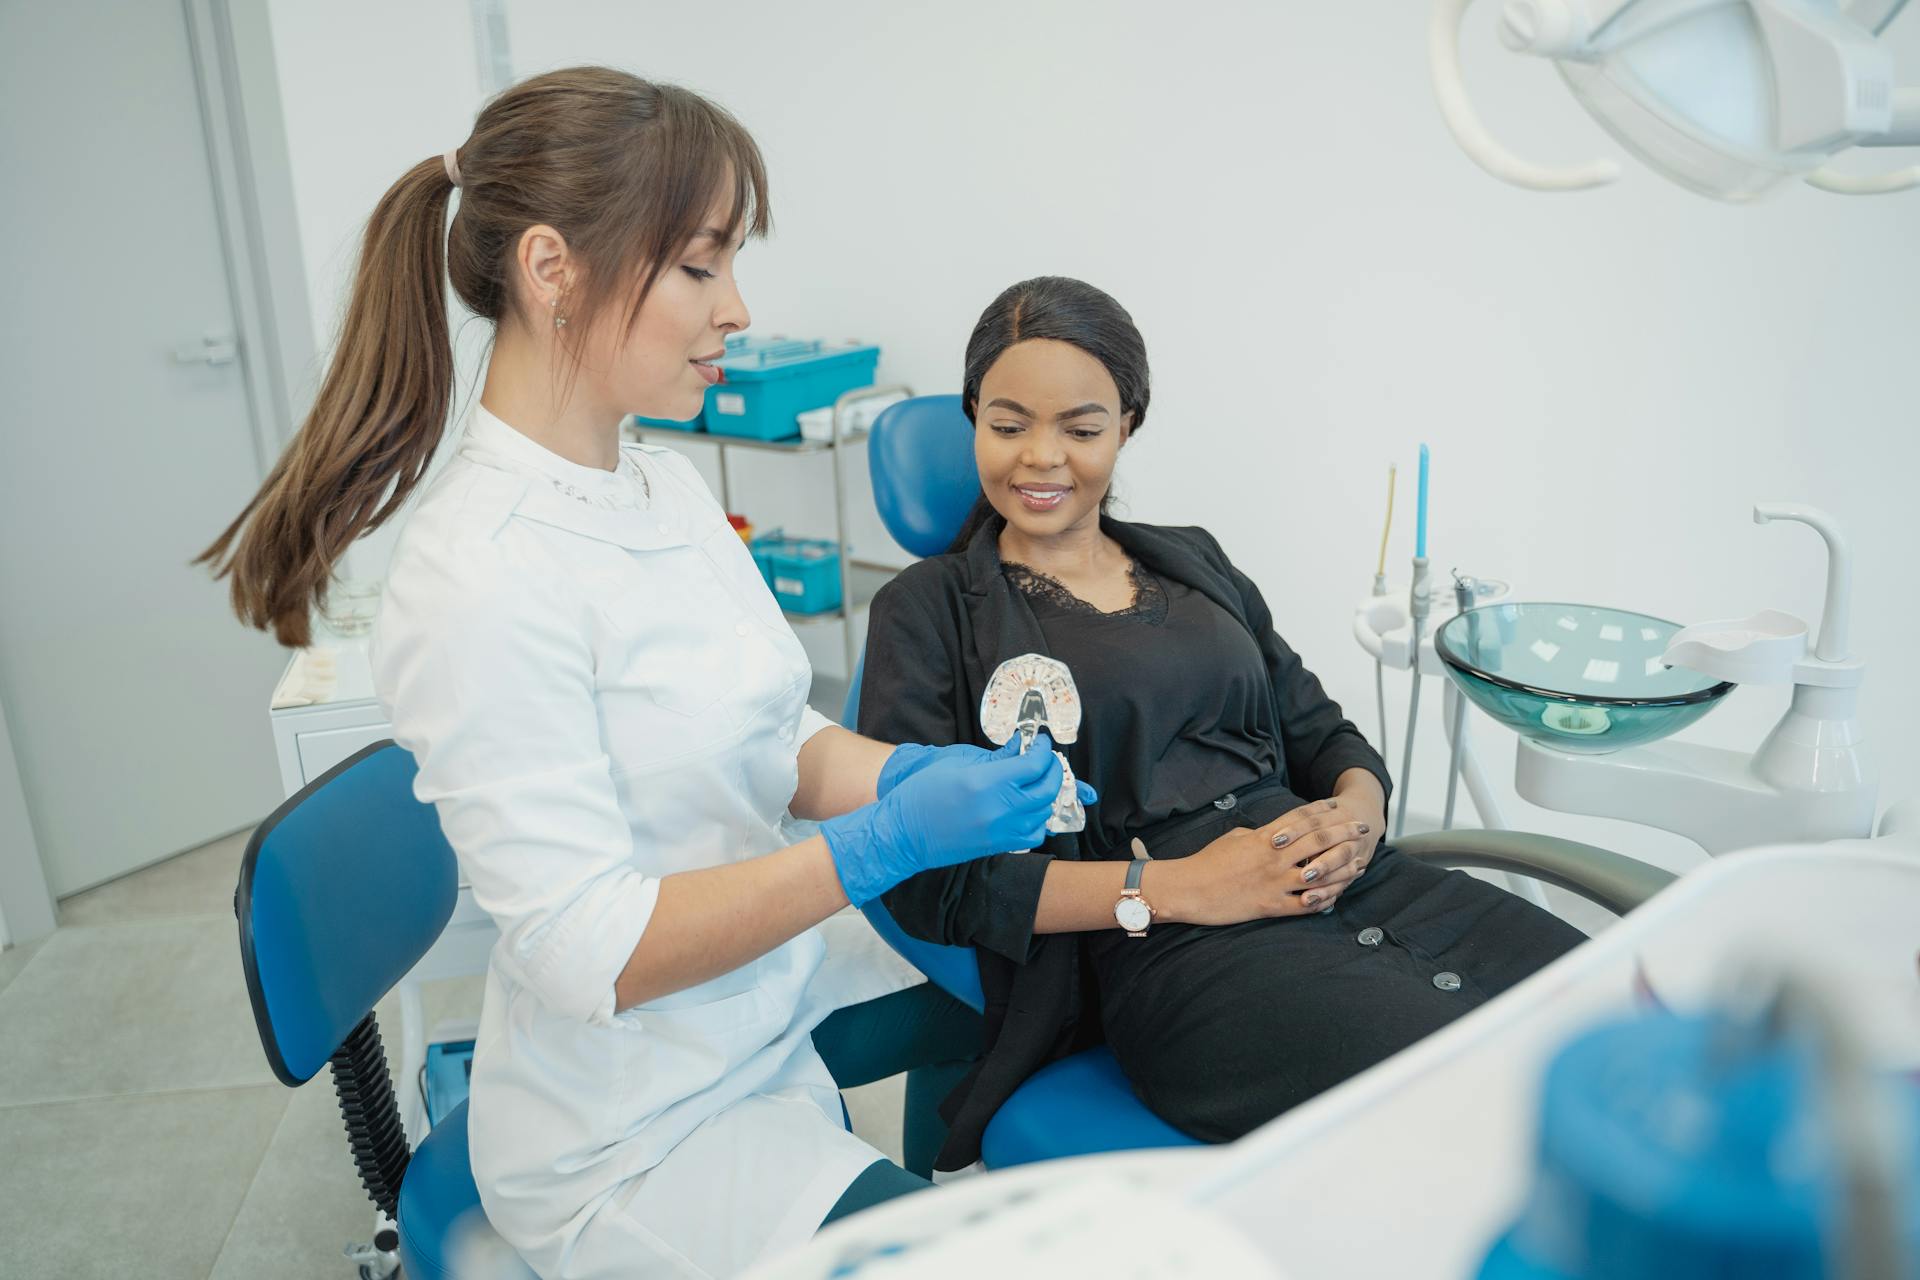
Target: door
{"points": [[137, 703]]}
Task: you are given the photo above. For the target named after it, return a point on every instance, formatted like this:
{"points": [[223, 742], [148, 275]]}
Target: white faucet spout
{"points": [[1832, 645]]}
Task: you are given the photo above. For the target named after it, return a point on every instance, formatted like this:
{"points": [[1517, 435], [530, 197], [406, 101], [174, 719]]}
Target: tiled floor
{"points": [[141, 1132]]}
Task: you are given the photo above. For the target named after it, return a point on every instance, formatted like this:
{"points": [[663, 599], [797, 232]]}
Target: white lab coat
{"points": [[600, 691]]}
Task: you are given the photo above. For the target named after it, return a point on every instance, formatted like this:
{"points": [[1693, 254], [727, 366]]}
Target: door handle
{"points": [[214, 349]]}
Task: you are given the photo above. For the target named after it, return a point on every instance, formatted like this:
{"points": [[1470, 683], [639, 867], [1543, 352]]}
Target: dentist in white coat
{"points": [[607, 707]]}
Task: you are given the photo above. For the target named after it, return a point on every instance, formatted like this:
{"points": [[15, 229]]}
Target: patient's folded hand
{"points": [[1238, 877], [1330, 841], [1245, 875]]}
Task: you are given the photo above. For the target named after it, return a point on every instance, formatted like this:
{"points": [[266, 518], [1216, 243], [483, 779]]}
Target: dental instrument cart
{"points": [[843, 435]]}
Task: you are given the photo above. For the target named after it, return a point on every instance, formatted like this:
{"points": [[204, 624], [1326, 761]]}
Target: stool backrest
{"points": [[342, 891]]}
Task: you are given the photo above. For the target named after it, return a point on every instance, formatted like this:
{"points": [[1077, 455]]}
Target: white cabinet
{"points": [[340, 716], [321, 749]]}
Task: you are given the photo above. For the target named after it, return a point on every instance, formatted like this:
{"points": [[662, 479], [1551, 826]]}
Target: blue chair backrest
{"points": [[924, 478], [924, 484], [342, 891]]}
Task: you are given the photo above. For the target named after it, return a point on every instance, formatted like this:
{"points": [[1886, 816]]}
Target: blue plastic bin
{"points": [[449, 1068], [769, 386], [802, 573], [762, 549], [738, 344]]}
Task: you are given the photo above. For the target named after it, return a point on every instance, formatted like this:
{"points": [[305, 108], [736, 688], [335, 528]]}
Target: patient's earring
{"points": [[559, 319]]}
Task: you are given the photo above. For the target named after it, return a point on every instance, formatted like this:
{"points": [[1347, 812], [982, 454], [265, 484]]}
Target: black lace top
{"points": [[1176, 708], [1149, 596]]}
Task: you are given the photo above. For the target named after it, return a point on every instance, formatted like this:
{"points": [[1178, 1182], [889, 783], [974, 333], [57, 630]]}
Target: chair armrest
{"points": [[1616, 882]]}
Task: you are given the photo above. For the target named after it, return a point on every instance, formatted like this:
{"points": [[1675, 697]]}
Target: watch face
{"points": [[1132, 914]]}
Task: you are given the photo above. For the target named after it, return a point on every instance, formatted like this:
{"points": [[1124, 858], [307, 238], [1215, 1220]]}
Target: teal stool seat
{"points": [[1078, 1106], [437, 1194]]}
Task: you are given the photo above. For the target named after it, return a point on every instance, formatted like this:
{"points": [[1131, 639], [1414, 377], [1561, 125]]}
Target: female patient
{"points": [[1288, 948]]}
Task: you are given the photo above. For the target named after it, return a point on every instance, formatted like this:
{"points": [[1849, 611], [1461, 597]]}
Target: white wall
{"points": [[367, 91], [1608, 380]]}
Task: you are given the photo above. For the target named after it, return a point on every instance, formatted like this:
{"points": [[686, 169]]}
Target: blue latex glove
{"points": [[910, 758], [938, 817]]}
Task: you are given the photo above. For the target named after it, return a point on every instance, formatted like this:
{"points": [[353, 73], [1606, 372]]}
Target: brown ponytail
{"points": [[372, 429], [624, 169]]}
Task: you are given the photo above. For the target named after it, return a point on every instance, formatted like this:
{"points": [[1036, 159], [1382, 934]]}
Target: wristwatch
{"points": [[1133, 911]]}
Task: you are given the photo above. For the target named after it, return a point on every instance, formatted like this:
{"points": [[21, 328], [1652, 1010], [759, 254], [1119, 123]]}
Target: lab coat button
{"points": [[663, 526], [741, 628], [1447, 981], [1226, 802], [1369, 936], [786, 733]]}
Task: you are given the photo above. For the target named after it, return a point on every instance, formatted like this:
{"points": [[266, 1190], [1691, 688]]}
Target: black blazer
{"points": [[935, 635]]}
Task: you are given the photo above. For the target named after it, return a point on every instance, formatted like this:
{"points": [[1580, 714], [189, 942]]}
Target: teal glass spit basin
{"points": [[1572, 676]]}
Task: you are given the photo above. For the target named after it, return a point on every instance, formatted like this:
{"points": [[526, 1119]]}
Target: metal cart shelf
{"points": [[843, 436]]}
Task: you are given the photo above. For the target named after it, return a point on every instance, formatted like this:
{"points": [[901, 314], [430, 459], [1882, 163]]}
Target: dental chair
{"points": [[925, 482]]}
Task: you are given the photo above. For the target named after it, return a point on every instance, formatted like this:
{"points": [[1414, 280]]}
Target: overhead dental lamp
{"points": [[1726, 97]]}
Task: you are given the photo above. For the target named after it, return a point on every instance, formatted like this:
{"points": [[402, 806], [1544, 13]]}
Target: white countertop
{"points": [[331, 672]]}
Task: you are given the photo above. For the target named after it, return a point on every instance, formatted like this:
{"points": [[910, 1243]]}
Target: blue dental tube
{"points": [[1420, 519]]}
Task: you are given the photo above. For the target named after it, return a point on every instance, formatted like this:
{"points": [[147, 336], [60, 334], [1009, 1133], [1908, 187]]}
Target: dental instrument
{"points": [[1463, 601], [1419, 605], [1380, 589], [1728, 98], [1382, 626]]}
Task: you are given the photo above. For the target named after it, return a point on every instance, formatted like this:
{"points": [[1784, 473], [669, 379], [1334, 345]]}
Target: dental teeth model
{"points": [[1029, 694]]}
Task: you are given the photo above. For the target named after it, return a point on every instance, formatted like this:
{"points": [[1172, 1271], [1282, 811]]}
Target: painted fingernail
{"points": [[1364, 828], [1312, 899], [1310, 874], [1280, 841]]}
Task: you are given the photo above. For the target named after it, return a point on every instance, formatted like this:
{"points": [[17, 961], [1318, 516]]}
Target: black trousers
{"points": [[1220, 1029]]}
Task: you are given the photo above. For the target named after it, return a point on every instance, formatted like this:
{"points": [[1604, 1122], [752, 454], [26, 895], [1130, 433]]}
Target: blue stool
{"points": [[924, 484], [342, 891], [436, 1195]]}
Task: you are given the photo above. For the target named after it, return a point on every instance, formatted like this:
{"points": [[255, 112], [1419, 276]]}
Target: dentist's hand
{"points": [[910, 758], [937, 817]]}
